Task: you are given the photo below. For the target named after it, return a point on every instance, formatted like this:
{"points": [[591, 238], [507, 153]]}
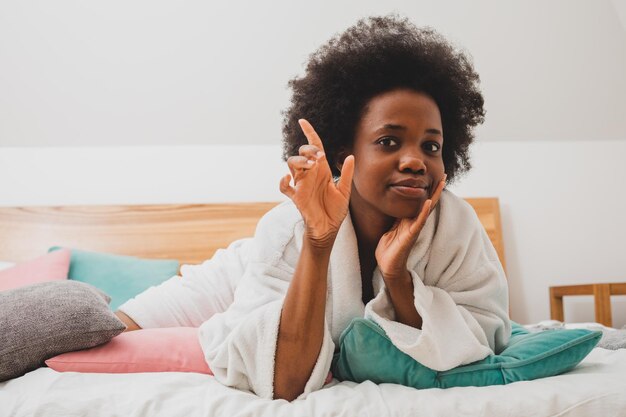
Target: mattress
{"points": [[596, 387]]}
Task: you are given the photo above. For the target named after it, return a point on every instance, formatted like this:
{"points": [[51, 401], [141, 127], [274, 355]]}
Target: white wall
{"points": [[562, 202], [158, 72]]}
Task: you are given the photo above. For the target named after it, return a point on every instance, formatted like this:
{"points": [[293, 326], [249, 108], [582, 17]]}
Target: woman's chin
{"points": [[406, 210]]}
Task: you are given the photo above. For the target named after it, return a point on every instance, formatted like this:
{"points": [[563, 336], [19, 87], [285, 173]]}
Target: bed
{"points": [[191, 234]]}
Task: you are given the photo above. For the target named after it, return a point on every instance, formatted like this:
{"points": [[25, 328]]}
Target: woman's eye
{"points": [[432, 146], [387, 142]]}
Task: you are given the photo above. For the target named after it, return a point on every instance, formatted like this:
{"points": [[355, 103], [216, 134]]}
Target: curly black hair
{"points": [[376, 55]]}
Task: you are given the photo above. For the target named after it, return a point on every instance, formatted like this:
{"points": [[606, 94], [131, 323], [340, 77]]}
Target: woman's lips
{"points": [[412, 192]]}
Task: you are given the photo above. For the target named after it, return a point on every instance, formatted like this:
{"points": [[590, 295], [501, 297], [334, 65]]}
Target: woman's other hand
{"points": [[130, 323], [395, 246], [322, 203]]}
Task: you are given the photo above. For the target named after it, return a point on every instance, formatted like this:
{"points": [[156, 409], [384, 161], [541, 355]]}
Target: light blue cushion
{"points": [[120, 277], [366, 353]]}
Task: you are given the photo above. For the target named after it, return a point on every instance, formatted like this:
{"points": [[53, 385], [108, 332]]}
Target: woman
{"points": [[382, 240]]}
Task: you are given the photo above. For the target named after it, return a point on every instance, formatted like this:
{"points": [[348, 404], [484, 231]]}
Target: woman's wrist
{"points": [[400, 279], [395, 272], [400, 291], [320, 246], [130, 323]]}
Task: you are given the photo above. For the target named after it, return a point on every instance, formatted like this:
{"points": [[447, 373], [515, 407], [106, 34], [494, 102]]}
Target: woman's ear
{"points": [[341, 155]]}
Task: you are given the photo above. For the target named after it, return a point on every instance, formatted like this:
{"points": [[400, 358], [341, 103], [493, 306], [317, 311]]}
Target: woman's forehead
{"points": [[400, 110]]}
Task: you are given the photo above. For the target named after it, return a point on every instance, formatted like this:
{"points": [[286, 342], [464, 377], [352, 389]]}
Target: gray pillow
{"points": [[43, 320]]}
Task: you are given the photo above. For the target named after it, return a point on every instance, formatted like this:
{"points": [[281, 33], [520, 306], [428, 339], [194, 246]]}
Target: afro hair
{"points": [[376, 55]]}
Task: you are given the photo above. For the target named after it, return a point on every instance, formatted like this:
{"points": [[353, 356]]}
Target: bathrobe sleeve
{"points": [[240, 344], [196, 295], [460, 292]]}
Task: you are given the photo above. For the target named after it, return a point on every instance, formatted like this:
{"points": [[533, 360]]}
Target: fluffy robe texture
{"points": [[196, 295], [460, 292]]}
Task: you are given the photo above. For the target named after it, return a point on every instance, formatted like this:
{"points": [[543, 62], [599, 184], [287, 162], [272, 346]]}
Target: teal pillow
{"points": [[366, 353], [120, 277]]}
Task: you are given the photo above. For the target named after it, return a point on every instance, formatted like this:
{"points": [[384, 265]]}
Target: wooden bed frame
{"points": [[190, 233]]}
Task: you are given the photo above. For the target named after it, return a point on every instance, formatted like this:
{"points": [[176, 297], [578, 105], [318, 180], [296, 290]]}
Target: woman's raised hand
{"points": [[322, 203], [394, 246]]}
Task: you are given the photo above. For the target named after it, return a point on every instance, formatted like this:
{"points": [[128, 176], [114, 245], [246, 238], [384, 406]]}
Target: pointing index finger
{"points": [[311, 134]]}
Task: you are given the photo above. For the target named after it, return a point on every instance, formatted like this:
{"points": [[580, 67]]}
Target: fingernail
{"points": [[319, 154], [310, 162]]}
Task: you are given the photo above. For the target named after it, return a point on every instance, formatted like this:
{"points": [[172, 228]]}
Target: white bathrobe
{"points": [[460, 293]]}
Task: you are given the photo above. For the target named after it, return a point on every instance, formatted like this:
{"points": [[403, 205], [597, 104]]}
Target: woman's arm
{"points": [[323, 206], [194, 296], [301, 330], [130, 324], [401, 293]]}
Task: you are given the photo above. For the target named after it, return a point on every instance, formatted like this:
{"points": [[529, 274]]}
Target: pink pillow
{"points": [[174, 349], [53, 266]]}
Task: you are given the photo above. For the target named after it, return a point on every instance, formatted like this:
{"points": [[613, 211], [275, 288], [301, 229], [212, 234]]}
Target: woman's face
{"points": [[398, 154]]}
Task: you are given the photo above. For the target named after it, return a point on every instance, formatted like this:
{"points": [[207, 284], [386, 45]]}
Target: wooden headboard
{"points": [[190, 233]]}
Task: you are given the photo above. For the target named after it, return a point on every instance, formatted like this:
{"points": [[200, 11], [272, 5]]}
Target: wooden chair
{"points": [[601, 295]]}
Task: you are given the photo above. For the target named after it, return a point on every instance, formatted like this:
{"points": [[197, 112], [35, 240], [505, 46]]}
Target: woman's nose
{"points": [[412, 162]]}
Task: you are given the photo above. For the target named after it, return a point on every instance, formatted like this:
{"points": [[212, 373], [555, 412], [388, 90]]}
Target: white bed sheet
{"points": [[597, 387]]}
